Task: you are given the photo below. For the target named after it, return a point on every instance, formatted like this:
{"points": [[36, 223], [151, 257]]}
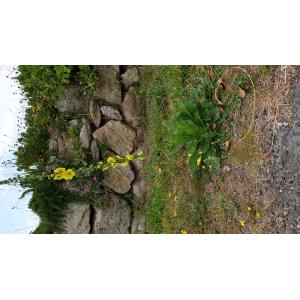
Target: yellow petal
{"points": [[242, 223]]}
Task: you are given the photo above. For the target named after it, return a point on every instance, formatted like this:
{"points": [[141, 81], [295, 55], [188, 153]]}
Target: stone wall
{"points": [[112, 118]]}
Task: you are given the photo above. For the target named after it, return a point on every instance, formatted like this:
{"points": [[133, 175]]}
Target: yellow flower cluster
{"points": [[62, 173], [113, 162]]}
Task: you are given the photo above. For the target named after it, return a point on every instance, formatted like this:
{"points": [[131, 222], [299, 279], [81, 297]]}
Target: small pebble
{"points": [[226, 169]]}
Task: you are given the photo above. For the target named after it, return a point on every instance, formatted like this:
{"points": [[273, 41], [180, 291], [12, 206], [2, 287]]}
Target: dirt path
{"points": [[286, 172]]}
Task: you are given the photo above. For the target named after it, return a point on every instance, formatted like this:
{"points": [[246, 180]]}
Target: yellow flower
{"points": [[175, 198], [59, 170], [68, 175], [119, 157], [249, 208], [257, 215], [170, 195], [58, 176], [242, 223], [159, 170], [129, 156], [174, 214], [183, 231], [111, 161]]}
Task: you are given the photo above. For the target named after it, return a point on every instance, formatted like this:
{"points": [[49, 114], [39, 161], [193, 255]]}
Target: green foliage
{"points": [[43, 84], [198, 126], [32, 149], [49, 203], [79, 155], [87, 78]]}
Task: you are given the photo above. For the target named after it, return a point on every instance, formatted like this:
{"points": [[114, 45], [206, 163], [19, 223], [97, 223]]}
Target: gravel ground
{"points": [[285, 172]]}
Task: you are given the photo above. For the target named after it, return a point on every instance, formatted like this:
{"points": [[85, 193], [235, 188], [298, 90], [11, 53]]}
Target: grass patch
{"points": [[176, 201]]}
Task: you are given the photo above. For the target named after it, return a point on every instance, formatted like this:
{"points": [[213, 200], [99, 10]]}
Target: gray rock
{"points": [[113, 216], [85, 134], [130, 77], [95, 113], [139, 189], [53, 144], [73, 123], [119, 179], [138, 164], [117, 136], [65, 144], [131, 107], [138, 225], [95, 151], [77, 219], [111, 113], [139, 192], [108, 88], [69, 101]]}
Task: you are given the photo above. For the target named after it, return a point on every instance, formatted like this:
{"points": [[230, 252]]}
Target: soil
{"points": [[262, 171]]}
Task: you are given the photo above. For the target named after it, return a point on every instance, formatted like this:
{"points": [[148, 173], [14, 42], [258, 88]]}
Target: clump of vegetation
{"points": [[199, 127], [49, 202]]}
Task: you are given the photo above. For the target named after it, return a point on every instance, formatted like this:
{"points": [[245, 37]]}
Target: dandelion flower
{"points": [[257, 215], [159, 170], [183, 231], [249, 208], [242, 223], [175, 198]]}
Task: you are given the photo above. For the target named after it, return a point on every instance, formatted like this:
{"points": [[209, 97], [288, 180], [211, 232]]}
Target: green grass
{"points": [[164, 88]]}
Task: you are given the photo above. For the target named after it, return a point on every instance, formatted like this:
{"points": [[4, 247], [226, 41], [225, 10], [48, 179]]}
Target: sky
{"points": [[15, 216]]}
